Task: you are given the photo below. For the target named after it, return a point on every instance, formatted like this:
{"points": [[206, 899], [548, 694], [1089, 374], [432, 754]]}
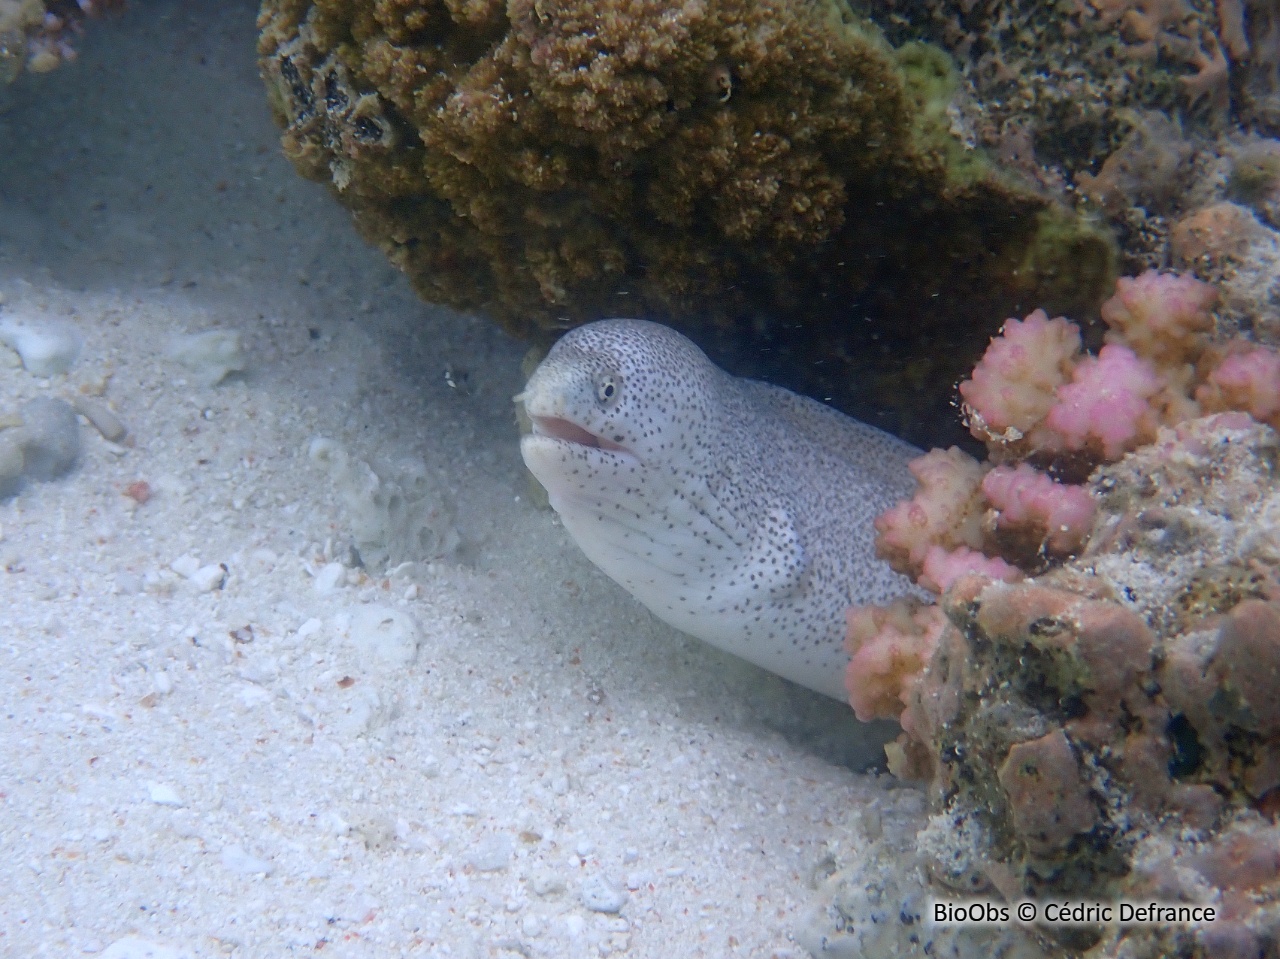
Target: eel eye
{"points": [[607, 388]]}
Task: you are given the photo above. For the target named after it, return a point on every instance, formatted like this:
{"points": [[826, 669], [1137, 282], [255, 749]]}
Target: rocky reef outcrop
{"points": [[1092, 700]]}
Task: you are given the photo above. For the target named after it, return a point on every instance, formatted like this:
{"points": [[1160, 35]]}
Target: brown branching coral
{"points": [[765, 169]]}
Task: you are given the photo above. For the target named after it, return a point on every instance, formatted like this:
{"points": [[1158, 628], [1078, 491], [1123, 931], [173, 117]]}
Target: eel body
{"points": [[736, 511]]}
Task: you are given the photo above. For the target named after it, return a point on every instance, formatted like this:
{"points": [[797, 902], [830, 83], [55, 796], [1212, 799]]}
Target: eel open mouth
{"points": [[562, 429]]}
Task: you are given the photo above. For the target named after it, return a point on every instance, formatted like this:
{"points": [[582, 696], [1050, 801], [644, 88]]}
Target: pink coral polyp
{"points": [[1248, 380], [889, 646], [1035, 506], [946, 510], [1162, 316], [1105, 409], [942, 567], [1013, 385]]}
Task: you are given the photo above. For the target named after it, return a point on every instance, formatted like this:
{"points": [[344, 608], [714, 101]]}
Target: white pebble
{"points": [[250, 697], [208, 578], [309, 628], [492, 853], [163, 795], [210, 355], [330, 577], [101, 418], [47, 347], [601, 894], [237, 860], [260, 671], [185, 566]]}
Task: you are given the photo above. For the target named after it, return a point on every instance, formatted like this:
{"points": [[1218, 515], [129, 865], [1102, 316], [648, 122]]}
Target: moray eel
{"points": [[736, 511]]}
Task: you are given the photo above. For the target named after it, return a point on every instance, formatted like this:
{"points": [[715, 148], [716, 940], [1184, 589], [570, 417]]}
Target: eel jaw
{"points": [[566, 431]]}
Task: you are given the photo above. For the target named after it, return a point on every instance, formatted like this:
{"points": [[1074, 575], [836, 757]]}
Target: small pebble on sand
{"points": [[51, 438], [211, 356], [47, 347], [163, 795], [329, 577], [601, 894]]}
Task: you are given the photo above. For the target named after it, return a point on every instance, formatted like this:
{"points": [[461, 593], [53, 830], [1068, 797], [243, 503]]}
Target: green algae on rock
{"points": [[772, 172]]}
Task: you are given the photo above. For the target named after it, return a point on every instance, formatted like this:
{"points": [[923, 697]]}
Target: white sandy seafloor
{"points": [[256, 762]]}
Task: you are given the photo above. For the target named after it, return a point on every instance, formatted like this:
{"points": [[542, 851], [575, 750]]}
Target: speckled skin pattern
{"points": [[736, 511]]}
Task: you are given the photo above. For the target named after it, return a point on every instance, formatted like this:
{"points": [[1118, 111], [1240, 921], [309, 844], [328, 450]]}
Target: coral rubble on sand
{"points": [[1107, 729]]}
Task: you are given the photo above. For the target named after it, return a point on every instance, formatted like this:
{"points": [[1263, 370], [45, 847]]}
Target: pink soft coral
{"points": [[1162, 317], [1035, 395], [1104, 410], [1034, 392], [889, 646], [946, 511], [942, 567], [1247, 380], [1033, 509], [1013, 386]]}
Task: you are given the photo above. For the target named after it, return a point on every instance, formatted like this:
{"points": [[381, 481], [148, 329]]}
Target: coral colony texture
{"points": [[1158, 117], [768, 176], [37, 35], [1093, 699], [1067, 83]]}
